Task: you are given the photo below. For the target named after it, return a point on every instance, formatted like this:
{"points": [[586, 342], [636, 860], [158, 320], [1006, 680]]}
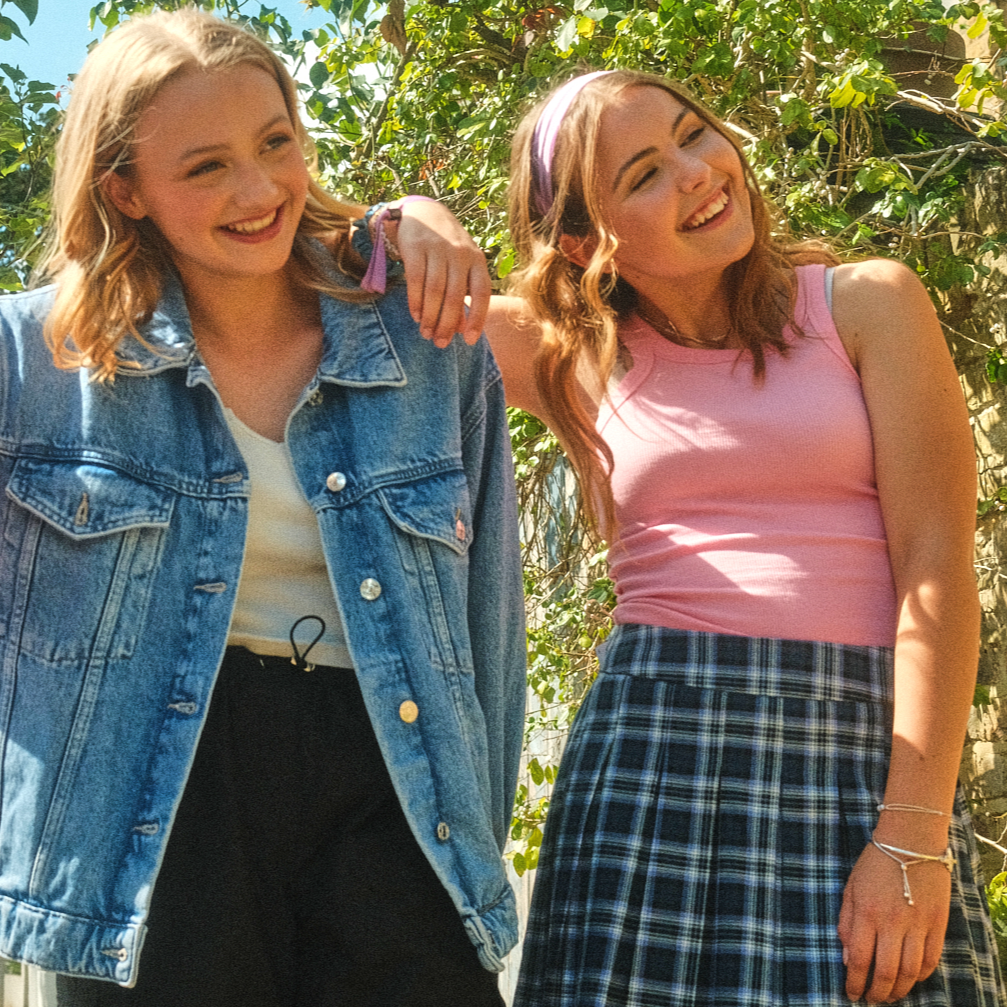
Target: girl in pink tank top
{"points": [[757, 803]]}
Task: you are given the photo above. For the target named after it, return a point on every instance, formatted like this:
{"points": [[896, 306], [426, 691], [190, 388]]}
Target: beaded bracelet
{"points": [[912, 807], [946, 858]]}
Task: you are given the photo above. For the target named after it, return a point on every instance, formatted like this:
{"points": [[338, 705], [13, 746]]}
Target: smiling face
{"points": [[672, 189], [218, 169]]}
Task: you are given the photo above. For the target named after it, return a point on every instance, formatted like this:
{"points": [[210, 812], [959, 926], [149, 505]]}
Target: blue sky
{"points": [[57, 41]]}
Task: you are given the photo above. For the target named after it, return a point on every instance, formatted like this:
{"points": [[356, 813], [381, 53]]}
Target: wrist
{"points": [[924, 833], [391, 217]]}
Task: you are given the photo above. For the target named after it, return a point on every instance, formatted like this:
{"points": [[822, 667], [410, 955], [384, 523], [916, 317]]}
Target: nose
{"points": [[255, 186], [693, 174]]}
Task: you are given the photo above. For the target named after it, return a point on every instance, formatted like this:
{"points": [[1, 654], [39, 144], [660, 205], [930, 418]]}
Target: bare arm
{"points": [[513, 336], [926, 477]]}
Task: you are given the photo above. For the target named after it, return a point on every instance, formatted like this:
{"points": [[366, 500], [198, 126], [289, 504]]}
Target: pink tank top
{"points": [[748, 508]]}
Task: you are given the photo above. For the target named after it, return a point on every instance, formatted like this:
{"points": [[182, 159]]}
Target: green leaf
{"points": [[566, 34], [9, 27], [979, 27], [505, 263], [27, 7], [842, 95], [793, 109], [318, 74]]}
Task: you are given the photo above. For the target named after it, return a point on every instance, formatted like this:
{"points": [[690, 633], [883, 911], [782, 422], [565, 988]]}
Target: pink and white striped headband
{"points": [[543, 140]]}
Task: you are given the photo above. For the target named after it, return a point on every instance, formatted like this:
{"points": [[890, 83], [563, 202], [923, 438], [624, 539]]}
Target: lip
{"points": [[266, 234], [717, 219]]}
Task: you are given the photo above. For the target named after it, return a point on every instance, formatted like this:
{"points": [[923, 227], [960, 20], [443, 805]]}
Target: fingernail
{"points": [[846, 957]]}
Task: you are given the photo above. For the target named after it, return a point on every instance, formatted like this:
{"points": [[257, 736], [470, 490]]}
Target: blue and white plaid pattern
{"points": [[714, 795]]}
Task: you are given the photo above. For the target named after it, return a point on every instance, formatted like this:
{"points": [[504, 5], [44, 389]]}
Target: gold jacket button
{"points": [[443, 832], [409, 711]]}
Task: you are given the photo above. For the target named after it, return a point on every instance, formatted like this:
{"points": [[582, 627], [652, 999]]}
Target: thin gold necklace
{"points": [[666, 328]]}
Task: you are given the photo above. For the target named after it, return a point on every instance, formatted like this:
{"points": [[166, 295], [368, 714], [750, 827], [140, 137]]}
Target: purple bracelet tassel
{"points": [[375, 280]]}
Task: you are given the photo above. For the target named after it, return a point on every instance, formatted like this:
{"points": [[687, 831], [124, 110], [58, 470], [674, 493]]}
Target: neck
{"points": [[243, 312], [262, 342], [702, 318]]}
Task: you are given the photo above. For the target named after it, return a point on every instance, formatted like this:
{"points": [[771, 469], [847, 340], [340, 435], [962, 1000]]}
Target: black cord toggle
{"points": [[299, 660]]}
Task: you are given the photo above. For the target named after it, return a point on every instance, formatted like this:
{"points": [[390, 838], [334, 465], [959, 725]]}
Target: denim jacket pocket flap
{"points": [[86, 500], [436, 508]]}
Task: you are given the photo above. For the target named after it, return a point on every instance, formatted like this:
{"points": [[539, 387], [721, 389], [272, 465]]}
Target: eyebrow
{"points": [[649, 150], [213, 147]]}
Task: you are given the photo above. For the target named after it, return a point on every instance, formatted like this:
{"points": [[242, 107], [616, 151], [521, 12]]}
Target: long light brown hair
{"points": [[579, 309], [110, 269]]}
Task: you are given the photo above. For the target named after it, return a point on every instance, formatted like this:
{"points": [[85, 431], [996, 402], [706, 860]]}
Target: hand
{"points": [[442, 265], [877, 925]]}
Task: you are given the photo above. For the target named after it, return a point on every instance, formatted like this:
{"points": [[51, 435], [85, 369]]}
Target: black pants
{"points": [[291, 877]]}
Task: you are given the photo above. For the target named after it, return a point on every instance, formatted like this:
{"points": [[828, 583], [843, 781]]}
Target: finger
{"points": [[434, 284], [887, 959], [858, 959], [909, 966], [858, 950], [933, 948], [480, 290], [452, 313], [416, 272]]}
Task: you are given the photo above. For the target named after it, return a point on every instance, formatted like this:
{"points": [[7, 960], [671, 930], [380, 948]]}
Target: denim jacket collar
{"points": [[357, 349]]}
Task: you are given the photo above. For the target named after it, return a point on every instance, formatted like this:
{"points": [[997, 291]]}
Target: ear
{"points": [[121, 191], [577, 250], [580, 250]]}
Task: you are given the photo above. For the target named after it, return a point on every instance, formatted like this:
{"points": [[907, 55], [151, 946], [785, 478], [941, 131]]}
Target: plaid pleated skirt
{"points": [[714, 795]]}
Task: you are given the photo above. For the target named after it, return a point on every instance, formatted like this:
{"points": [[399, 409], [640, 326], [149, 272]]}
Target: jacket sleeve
{"points": [[495, 587]]}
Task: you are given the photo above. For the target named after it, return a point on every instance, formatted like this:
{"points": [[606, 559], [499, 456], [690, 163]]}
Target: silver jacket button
{"points": [[335, 481], [370, 589]]}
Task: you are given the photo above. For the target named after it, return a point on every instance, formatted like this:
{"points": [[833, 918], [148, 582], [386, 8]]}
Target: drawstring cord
{"points": [[299, 660]]}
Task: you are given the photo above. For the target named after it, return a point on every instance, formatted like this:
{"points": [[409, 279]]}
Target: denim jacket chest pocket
{"points": [[434, 518], [85, 540]]}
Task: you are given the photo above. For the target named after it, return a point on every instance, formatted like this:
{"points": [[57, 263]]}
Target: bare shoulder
{"points": [[879, 302], [876, 279]]}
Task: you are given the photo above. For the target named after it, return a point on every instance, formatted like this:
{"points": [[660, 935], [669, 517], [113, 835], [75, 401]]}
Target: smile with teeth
{"points": [[709, 211], [252, 226]]}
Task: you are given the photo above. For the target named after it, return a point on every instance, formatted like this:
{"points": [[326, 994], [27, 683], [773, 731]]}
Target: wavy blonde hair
{"points": [[580, 308], [110, 269]]}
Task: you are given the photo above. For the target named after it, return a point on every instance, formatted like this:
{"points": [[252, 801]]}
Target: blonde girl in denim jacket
{"points": [[260, 599]]}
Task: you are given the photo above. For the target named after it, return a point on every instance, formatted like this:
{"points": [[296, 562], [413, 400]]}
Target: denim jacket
{"points": [[122, 532]]}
